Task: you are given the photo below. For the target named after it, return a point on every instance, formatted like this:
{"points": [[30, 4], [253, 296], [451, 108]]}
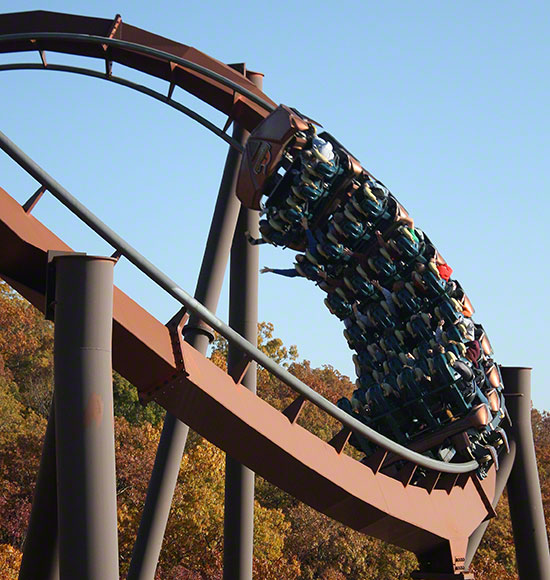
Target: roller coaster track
{"points": [[435, 519]]}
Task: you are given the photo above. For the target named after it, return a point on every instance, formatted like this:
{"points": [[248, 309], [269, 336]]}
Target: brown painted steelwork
{"points": [[23, 262], [434, 521], [434, 524], [236, 106], [264, 150]]}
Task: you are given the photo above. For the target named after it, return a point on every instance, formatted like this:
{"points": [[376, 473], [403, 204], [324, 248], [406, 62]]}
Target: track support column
{"points": [[239, 480], [83, 398], [238, 542], [524, 497], [163, 480], [40, 554]]}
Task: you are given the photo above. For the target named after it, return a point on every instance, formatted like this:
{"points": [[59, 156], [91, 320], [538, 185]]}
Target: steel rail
{"points": [[155, 274], [131, 85], [165, 282], [139, 48]]}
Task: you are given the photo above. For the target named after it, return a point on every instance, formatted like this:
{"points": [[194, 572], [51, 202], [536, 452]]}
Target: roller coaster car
{"points": [[306, 269], [367, 204], [283, 129], [338, 304], [430, 399], [406, 301], [420, 326], [393, 340], [483, 340], [277, 144], [355, 336], [405, 243], [361, 287], [455, 290]]}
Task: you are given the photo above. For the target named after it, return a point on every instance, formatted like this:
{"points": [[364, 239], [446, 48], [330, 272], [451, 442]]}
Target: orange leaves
{"points": [[26, 350], [10, 560]]}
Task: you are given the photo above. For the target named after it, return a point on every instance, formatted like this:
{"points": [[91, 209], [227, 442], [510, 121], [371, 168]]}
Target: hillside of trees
{"points": [[292, 541]]}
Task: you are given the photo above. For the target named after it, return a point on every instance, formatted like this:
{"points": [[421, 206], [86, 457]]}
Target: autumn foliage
{"points": [[291, 541]]}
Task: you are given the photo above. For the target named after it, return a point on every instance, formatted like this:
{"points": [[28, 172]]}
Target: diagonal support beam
{"points": [[174, 433]]}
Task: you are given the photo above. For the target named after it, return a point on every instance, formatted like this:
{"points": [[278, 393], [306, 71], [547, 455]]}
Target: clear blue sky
{"points": [[445, 102]]}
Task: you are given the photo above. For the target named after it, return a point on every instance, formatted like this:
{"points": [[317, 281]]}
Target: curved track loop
{"points": [[434, 521], [167, 100], [208, 79]]}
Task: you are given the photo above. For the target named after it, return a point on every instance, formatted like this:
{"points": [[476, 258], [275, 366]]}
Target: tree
{"points": [[271, 346], [135, 449], [496, 557], [20, 451], [26, 348], [194, 535], [541, 435], [326, 548], [10, 561], [126, 404], [292, 541]]}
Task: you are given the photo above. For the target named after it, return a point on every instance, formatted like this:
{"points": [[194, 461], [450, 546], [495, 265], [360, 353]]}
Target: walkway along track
{"points": [[434, 521]]}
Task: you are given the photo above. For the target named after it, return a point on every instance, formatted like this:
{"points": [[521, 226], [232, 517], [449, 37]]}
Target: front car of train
{"points": [[426, 377]]}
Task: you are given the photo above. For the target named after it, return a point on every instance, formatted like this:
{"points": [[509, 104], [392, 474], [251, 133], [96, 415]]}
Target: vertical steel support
{"points": [[84, 429], [524, 497], [243, 317], [163, 480], [239, 480], [506, 462], [40, 554]]}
